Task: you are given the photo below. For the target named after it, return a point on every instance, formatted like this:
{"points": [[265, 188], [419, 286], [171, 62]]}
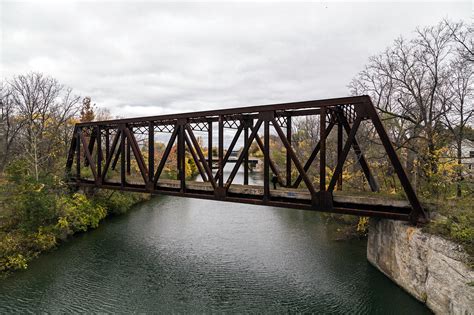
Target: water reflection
{"points": [[189, 255]]}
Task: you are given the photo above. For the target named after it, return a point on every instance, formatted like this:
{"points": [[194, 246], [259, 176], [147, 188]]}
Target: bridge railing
{"points": [[97, 147]]}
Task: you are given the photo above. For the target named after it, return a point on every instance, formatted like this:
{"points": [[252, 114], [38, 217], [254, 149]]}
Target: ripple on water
{"points": [[184, 255]]}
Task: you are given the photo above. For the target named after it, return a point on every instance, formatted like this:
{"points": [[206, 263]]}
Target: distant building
{"points": [[467, 149]]}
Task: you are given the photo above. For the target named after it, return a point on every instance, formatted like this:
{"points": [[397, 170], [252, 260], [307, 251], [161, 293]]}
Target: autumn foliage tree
{"points": [[87, 110]]}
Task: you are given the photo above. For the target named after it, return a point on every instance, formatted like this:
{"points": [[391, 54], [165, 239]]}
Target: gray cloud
{"points": [[150, 58]]}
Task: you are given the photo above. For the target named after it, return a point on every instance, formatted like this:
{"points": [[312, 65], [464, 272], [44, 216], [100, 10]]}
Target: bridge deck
{"points": [[344, 202]]}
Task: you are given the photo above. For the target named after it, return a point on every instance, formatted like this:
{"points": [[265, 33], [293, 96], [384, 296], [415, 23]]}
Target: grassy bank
{"points": [[453, 219]]}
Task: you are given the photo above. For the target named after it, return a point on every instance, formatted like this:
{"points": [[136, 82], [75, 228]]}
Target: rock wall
{"points": [[427, 266]]}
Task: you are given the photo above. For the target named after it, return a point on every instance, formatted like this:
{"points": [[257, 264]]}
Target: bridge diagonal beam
{"points": [[100, 154], [230, 149], [118, 154], [313, 155], [87, 154], [195, 158], [132, 141], [360, 156], [245, 150], [199, 152], [71, 151], [165, 156], [417, 210], [295, 159], [345, 152], [112, 149], [90, 146], [271, 163]]}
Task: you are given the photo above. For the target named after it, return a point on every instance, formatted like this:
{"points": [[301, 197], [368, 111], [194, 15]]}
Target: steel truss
{"points": [[100, 146]]}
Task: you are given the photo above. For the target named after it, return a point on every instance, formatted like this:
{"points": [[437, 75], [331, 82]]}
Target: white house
{"points": [[467, 149]]}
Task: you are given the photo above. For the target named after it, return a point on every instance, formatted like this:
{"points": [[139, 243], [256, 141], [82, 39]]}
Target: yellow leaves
{"points": [[363, 225], [62, 223], [38, 187], [392, 190], [16, 262], [44, 240]]}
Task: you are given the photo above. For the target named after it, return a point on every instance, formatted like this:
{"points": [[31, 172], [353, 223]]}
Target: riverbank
{"points": [[432, 269], [71, 213]]}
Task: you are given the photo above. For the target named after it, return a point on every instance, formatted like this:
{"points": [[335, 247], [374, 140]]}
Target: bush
{"points": [[117, 202], [77, 213], [455, 221]]}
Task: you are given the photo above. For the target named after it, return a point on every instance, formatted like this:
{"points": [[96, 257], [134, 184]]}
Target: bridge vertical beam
{"points": [[247, 122], [181, 155], [151, 152], [122, 155], [339, 149], [78, 155], [209, 143], [107, 143], [322, 153], [266, 159], [99, 155], [127, 142], [221, 152], [288, 156]]}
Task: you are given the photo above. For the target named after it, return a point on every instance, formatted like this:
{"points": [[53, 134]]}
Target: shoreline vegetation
{"points": [[38, 217]]}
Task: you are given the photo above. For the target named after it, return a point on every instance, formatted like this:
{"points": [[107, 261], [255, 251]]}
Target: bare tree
{"points": [[10, 124], [405, 81], [463, 36], [45, 107], [459, 96]]}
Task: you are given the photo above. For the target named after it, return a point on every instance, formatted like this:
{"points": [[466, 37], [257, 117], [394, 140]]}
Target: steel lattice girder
{"points": [[100, 146]]}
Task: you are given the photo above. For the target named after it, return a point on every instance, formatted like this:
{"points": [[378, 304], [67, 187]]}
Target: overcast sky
{"points": [[151, 58]]}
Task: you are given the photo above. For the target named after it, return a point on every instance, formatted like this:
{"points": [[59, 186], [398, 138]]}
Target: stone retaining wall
{"points": [[429, 267]]}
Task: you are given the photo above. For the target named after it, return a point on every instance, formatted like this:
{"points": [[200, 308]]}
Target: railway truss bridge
{"points": [[123, 154]]}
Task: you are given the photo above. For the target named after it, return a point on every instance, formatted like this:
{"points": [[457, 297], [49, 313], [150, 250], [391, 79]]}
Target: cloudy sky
{"points": [[150, 58]]}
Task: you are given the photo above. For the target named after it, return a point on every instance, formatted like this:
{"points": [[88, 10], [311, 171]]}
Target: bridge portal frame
{"points": [[117, 139]]}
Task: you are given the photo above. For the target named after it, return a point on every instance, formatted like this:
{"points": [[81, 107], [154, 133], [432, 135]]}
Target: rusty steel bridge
{"points": [[97, 147]]}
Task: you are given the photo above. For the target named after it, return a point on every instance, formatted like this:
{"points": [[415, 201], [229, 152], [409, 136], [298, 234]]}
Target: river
{"points": [[174, 254]]}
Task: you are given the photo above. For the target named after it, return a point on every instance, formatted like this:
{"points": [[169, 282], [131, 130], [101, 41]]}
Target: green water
{"points": [[191, 256]]}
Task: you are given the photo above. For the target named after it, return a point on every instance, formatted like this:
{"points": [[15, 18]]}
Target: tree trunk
{"points": [[460, 176]]}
